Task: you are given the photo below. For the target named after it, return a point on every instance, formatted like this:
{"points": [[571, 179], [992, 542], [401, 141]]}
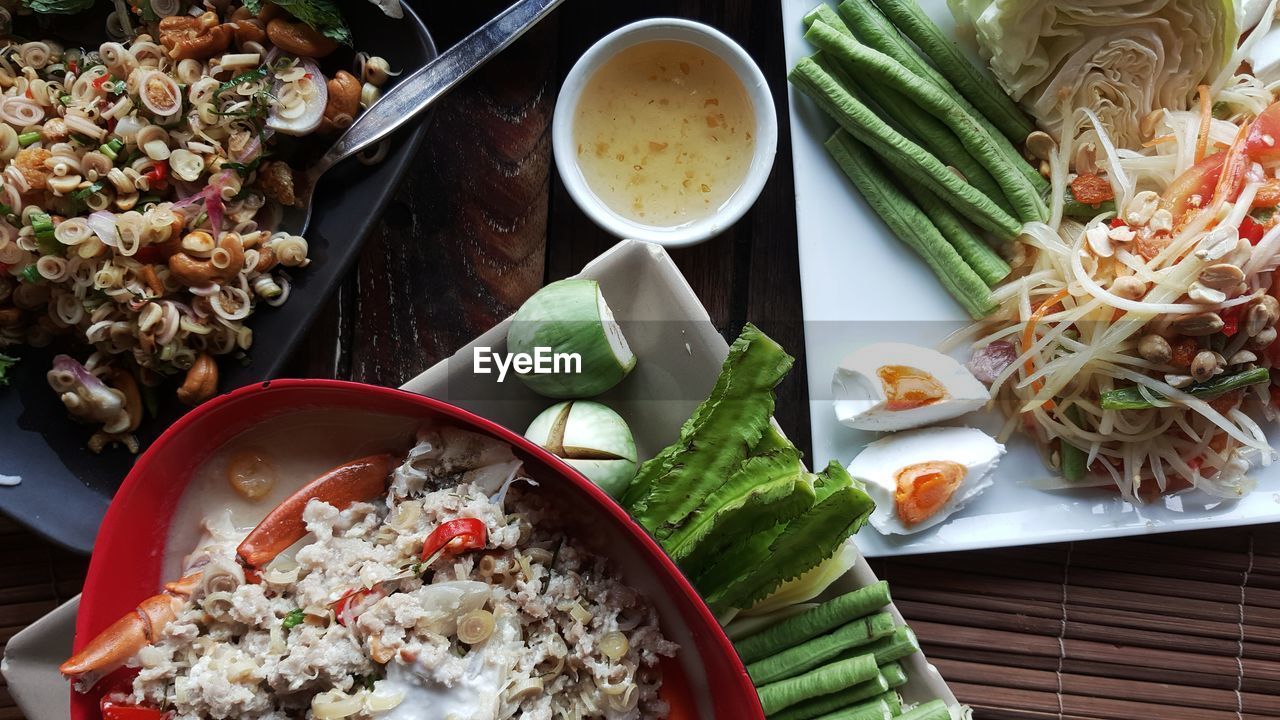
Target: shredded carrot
{"points": [[1029, 337], [1206, 119], [1160, 140]]}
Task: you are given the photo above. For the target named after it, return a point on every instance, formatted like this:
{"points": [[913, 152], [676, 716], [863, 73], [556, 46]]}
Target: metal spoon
{"points": [[414, 93]]}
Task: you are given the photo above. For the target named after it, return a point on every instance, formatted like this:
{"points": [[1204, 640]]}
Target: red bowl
{"points": [[707, 679]]}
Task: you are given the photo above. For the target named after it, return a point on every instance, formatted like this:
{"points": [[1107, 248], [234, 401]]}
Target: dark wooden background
{"points": [[1182, 627]]}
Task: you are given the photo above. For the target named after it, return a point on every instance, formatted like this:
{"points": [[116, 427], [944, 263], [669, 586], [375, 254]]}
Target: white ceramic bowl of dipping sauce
{"points": [[763, 135]]}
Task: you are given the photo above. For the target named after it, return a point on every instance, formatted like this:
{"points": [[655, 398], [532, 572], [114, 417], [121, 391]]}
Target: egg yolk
{"points": [[925, 487], [907, 388]]}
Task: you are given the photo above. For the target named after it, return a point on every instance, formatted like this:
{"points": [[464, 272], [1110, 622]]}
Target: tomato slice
{"points": [[1251, 230], [453, 537], [1263, 142], [1198, 180]]}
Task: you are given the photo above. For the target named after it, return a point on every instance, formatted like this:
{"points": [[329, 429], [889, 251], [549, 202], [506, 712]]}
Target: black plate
{"points": [[65, 488]]}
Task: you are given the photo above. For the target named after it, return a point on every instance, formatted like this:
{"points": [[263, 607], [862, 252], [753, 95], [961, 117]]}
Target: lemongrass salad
{"points": [[1135, 341], [141, 184]]}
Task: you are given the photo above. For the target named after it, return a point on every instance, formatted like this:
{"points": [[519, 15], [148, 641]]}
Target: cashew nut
{"points": [[266, 260], [343, 104], [194, 38], [123, 381], [298, 38], [194, 273], [201, 381], [148, 275]]}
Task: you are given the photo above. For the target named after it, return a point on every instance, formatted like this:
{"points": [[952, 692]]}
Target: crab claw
{"points": [[126, 636], [350, 482]]}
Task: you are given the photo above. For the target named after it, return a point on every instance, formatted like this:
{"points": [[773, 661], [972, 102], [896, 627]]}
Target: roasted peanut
{"points": [[343, 104], [299, 38], [1041, 145], [1128, 286], [54, 130], [1155, 348], [31, 163], [194, 38], [1199, 324], [1204, 365], [276, 180], [266, 260], [194, 273], [201, 381]]}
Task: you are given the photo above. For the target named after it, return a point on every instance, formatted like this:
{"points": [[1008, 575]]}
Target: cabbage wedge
{"points": [[1122, 59]]}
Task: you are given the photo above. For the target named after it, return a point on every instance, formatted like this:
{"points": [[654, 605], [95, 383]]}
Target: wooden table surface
{"points": [[482, 221]]}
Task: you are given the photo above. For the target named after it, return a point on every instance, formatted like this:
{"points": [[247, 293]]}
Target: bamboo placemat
{"points": [[1182, 626], [1168, 627]]}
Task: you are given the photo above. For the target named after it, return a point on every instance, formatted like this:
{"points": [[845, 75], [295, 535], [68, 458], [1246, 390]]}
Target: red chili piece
{"points": [[454, 537]]}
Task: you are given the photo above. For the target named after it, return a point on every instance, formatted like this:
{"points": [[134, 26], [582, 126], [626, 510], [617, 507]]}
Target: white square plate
{"points": [[680, 354], [861, 285]]}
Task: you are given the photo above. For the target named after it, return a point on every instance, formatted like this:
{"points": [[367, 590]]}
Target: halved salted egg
{"points": [[895, 386], [920, 477]]}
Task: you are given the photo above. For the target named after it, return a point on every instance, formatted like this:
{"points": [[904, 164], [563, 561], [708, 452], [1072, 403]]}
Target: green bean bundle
{"points": [[911, 225], [917, 163], [980, 143], [812, 623], [811, 654], [823, 681]]}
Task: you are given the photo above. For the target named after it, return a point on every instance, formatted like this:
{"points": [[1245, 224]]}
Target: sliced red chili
{"points": [[1251, 230], [101, 80], [454, 537], [348, 607], [1117, 222], [1231, 320], [1091, 189]]}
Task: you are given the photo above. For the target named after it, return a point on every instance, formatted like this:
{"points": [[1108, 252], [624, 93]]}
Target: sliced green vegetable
{"points": [[977, 254], [893, 700], [877, 67], [112, 148], [765, 490], [6, 364], [909, 223], [293, 619], [1074, 467], [977, 88], [806, 542], [824, 680], [1130, 398], [719, 435], [826, 617], [31, 274], [28, 138], [835, 701], [922, 166], [808, 655], [1073, 208], [244, 77]]}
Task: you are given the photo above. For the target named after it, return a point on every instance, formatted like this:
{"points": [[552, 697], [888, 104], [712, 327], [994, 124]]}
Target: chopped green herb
{"points": [[28, 138], [1221, 110], [246, 77], [112, 149], [6, 363], [31, 274], [1262, 214], [293, 619], [57, 7]]}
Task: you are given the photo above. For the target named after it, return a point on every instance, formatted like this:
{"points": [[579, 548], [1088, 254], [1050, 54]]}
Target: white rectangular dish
{"points": [[680, 354], [861, 285]]}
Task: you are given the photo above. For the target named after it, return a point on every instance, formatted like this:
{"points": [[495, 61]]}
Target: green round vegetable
{"points": [[592, 439], [571, 317]]}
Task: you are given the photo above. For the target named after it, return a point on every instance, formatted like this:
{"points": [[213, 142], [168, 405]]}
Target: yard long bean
{"points": [[810, 624], [932, 710], [826, 679], [922, 128], [980, 90], [984, 261], [818, 706], [860, 121], [811, 654], [1027, 201], [1130, 398], [877, 709], [898, 645], [874, 29], [911, 225]]}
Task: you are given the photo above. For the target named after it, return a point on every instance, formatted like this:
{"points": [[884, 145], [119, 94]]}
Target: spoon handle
{"points": [[414, 93]]}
